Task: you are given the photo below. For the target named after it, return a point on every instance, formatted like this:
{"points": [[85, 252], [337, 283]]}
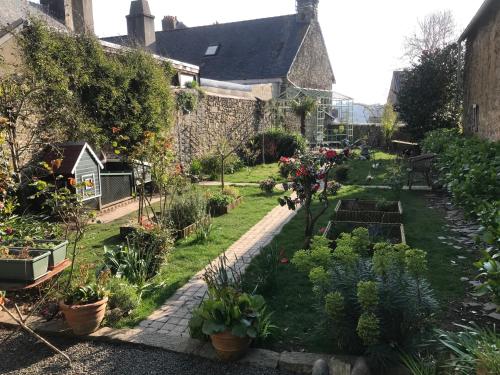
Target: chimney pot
{"points": [[169, 23], [141, 24]]}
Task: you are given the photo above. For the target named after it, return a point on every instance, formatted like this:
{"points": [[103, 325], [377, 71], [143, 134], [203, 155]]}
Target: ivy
{"points": [[91, 92]]}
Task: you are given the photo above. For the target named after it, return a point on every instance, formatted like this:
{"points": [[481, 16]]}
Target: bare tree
{"points": [[434, 32]]}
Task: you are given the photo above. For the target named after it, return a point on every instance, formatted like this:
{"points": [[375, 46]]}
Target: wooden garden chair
{"points": [[420, 164]]}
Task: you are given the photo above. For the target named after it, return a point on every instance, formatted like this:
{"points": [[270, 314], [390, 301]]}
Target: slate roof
{"points": [[257, 49], [11, 11]]}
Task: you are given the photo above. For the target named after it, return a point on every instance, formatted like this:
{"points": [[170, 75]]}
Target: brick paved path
{"points": [[173, 317]]}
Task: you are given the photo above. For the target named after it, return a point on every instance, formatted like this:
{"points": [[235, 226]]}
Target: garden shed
{"points": [[79, 161]]}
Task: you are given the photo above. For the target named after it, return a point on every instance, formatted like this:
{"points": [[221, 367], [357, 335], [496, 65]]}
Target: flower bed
{"points": [[394, 233], [368, 211], [189, 230]]}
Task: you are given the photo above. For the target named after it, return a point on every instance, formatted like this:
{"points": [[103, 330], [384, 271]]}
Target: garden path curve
{"points": [[173, 317]]}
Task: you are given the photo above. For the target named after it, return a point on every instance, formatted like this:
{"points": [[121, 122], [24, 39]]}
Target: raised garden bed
{"points": [[379, 232], [189, 230], [219, 211], [25, 269], [58, 250], [368, 211]]}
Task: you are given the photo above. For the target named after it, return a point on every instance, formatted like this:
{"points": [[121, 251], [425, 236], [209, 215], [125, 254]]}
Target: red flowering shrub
{"points": [[308, 174]]}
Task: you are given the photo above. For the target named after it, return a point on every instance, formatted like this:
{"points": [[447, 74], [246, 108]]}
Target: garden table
{"points": [[51, 277]]}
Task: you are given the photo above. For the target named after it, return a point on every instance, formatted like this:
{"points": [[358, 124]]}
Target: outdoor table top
{"points": [[11, 286]]}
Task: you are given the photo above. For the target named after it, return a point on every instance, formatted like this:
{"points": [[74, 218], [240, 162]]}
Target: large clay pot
{"points": [[229, 347], [84, 319]]}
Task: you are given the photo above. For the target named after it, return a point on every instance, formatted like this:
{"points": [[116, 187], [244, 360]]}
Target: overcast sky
{"points": [[364, 37]]}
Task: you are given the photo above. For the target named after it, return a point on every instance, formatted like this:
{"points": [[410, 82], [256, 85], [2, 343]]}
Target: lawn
{"points": [[255, 174], [293, 302], [360, 169], [188, 257]]}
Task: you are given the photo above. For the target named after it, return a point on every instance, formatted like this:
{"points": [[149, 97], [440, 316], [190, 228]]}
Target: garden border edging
{"points": [[298, 362]]}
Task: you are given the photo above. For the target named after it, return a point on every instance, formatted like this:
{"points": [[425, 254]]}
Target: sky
{"points": [[365, 38]]}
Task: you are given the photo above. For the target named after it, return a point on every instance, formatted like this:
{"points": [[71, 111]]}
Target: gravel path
{"points": [[22, 355]]}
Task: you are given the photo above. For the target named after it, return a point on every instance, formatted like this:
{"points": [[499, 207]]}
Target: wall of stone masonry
{"points": [[482, 78], [311, 68], [195, 133]]}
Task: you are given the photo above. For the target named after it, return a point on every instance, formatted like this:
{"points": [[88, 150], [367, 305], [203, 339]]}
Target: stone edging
{"points": [[301, 363]]}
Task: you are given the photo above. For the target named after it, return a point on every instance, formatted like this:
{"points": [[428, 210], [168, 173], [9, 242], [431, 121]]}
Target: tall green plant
{"points": [[389, 123], [303, 108]]}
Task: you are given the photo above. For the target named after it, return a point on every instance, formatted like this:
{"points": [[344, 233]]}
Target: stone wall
{"points": [[311, 68], [482, 79], [217, 116]]}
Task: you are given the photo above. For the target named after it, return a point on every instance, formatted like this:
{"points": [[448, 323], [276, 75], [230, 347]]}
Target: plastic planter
{"points": [[58, 250], [25, 269]]}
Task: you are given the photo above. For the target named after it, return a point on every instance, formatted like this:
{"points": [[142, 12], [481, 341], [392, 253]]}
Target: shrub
{"points": [[187, 208], [123, 296], [468, 167], [261, 275], [277, 143], [195, 168], [211, 165], [341, 173], [267, 186], [218, 200], [373, 301], [141, 258]]}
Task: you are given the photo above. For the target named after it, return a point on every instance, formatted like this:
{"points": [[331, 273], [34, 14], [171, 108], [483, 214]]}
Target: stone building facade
{"points": [[482, 73]]}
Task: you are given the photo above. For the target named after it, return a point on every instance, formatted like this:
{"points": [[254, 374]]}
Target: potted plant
{"points": [[57, 249], [23, 264], [84, 306], [232, 320]]}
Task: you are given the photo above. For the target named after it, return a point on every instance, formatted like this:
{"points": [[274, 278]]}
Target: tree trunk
{"points": [[303, 124], [309, 221], [223, 159]]}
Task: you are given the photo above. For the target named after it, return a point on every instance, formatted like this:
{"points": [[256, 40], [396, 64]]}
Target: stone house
{"points": [[482, 72], [283, 51]]}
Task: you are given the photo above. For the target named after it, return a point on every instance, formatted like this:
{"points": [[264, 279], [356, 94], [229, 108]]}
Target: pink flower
{"points": [[9, 231], [322, 230]]}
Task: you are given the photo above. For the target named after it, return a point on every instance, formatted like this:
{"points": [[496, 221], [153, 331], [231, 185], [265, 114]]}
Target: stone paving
{"points": [[173, 317]]}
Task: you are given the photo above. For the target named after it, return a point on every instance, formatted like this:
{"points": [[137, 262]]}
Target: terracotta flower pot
{"points": [[84, 319], [229, 347]]}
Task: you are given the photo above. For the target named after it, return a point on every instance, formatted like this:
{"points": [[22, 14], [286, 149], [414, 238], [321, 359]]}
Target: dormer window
{"points": [[212, 50]]}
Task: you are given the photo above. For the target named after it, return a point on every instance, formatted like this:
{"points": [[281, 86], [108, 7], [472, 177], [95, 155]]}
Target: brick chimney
{"points": [[169, 23], [76, 15], [307, 10], [141, 24]]}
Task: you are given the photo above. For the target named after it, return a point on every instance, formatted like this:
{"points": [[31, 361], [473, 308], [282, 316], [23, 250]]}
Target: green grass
{"points": [[293, 302], [188, 257], [255, 174], [360, 169]]}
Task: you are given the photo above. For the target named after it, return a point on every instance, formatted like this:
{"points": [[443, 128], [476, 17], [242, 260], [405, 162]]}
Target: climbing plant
{"points": [[89, 92]]}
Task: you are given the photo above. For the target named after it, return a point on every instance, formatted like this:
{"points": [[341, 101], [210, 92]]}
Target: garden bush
{"points": [[267, 186], [211, 165], [375, 295], [123, 296], [277, 143], [187, 208], [470, 169], [218, 200]]}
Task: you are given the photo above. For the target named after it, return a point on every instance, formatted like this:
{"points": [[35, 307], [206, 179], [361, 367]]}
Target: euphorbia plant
{"points": [[308, 174]]}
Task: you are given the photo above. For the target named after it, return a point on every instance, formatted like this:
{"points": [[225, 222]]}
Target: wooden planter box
{"points": [[58, 250], [225, 210], [25, 269], [379, 232], [189, 230], [366, 211]]}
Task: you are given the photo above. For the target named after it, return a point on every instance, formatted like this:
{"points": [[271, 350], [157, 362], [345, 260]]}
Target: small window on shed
{"points": [[212, 50], [475, 117]]}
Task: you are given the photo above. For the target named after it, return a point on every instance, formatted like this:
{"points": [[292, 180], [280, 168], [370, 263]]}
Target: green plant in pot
{"points": [[229, 317], [84, 306]]}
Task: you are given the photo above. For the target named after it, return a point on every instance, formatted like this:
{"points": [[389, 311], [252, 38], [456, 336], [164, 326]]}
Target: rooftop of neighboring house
{"points": [[13, 12], [254, 49]]}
